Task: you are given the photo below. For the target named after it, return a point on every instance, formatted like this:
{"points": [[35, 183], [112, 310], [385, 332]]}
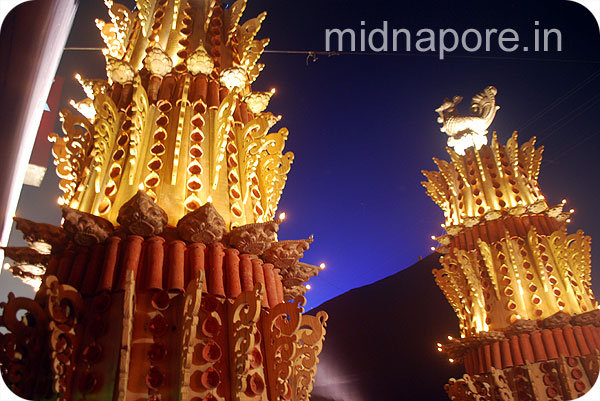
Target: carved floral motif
{"points": [[254, 238], [294, 277], [202, 225], [285, 254], [141, 216], [199, 62], [583, 319], [158, 62], [41, 236], [85, 228]]}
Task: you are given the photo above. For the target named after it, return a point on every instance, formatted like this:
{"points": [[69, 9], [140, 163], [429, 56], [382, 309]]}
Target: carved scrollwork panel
{"points": [[64, 308], [243, 318]]}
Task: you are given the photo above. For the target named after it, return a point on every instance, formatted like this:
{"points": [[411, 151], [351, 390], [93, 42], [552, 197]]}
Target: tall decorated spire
{"points": [[166, 280], [176, 118], [519, 284]]}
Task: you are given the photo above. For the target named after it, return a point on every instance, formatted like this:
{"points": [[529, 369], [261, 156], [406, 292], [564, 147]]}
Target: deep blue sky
{"points": [[362, 126]]}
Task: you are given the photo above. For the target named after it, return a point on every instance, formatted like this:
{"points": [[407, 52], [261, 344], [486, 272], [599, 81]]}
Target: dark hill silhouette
{"points": [[381, 340]]}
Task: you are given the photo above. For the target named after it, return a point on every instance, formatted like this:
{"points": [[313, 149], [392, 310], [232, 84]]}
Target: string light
{"points": [[282, 216], [60, 201], [6, 266], [450, 338], [564, 201], [433, 248], [308, 286], [322, 266]]}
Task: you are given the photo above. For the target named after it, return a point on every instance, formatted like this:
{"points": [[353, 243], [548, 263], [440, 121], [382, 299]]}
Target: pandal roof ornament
{"points": [[468, 130], [519, 284]]}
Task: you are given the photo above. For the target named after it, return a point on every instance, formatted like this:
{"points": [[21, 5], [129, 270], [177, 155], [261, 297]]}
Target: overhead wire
{"points": [[559, 100]]}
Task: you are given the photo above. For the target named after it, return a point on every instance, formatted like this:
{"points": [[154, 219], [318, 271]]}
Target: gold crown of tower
{"points": [[177, 117]]}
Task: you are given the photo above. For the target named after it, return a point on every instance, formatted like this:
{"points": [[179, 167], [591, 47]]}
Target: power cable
{"points": [[559, 100]]}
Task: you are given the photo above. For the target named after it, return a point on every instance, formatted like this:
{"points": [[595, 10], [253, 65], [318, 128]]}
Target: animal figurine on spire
{"points": [[465, 131]]}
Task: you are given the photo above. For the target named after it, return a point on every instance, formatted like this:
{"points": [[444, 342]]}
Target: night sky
{"points": [[363, 126]]}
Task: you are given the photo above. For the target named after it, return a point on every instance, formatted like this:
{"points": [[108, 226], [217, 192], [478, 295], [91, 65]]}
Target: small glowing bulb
{"points": [[78, 77], [450, 338], [451, 360], [273, 91], [156, 38], [282, 216], [439, 345], [572, 211], [209, 199], [279, 117], [433, 237], [518, 316], [308, 287], [433, 248], [568, 220], [141, 186], [322, 266], [442, 225], [564, 201], [60, 201], [6, 266]]}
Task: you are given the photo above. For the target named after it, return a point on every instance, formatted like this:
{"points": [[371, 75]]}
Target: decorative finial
{"points": [[119, 71], [466, 131], [200, 62], [158, 62], [234, 77]]}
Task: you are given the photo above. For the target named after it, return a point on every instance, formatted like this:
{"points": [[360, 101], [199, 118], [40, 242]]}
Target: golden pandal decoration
{"points": [[518, 282], [177, 117], [166, 280]]}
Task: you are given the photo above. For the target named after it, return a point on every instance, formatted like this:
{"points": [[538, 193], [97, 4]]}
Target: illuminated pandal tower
{"points": [[166, 280], [518, 282]]}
